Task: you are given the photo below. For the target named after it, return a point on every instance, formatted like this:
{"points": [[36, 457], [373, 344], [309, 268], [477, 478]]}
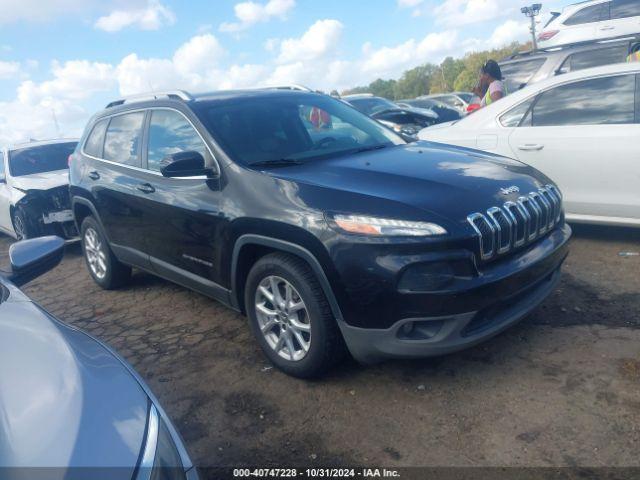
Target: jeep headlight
{"points": [[374, 226]]}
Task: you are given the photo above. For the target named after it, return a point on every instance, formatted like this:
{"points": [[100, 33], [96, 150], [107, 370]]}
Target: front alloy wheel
{"points": [[290, 316], [94, 250], [283, 318]]}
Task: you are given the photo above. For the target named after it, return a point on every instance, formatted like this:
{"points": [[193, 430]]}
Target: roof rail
{"points": [[293, 86], [585, 43], [174, 94]]}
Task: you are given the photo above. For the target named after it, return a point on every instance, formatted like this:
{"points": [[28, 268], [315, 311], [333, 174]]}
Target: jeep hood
{"points": [[65, 400], [443, 181], [41, 181]]}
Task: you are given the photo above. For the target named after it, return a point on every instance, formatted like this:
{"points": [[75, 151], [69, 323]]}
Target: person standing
{"points": [[634, 53], [490, 86]]}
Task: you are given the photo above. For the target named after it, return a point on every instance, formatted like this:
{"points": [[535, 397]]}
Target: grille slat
{"points": [[501, 229]]}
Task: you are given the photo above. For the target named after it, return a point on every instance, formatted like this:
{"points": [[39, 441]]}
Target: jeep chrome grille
{"points": [[501, 229]]}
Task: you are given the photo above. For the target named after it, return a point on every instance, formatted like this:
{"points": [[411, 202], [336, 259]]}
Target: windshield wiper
{"points": [[280, 162], [369, 149]]}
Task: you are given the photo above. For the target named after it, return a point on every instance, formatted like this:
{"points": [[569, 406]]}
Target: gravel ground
{"points": [[560, 389]]}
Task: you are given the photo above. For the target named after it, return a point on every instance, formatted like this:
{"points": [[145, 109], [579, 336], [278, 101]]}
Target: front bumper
{"points": [[501, 301]]}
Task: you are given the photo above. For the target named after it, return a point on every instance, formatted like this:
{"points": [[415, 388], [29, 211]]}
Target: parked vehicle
{"points": [[527, 68], [458, 100], [323, 239], [34, 190], [592, 20], [405, 121], [70, 407], [445, 112], [581, 129]]}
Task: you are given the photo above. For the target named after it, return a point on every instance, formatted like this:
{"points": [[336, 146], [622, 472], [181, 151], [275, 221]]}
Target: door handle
{"points": [[530, 147], [93, 175], [146, 188], [607, 28]]}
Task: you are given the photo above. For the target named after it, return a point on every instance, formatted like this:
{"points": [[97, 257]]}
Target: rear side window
{"points": [[599, 101], [595, 58], [514, 117], [625, 8], [170, 132], [122, 141], [95, 141], [594, 13], [517, 75]]}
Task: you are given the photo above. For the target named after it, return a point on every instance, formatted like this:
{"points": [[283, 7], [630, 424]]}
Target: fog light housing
{"points": [[427, 277], [419, 329]]}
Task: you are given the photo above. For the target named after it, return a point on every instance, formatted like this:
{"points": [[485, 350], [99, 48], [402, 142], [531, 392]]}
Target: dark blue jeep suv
{"points": [[324, 227]]}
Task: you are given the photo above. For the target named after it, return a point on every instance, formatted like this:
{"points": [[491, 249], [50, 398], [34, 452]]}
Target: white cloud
{"points": [[31, 113], [455, 13], [199, 54], [72, 80], [37, 10], [391, 61], [409, 3], [251, 13], [320, 40], [508, 32], [151, 16], [9, 70]]}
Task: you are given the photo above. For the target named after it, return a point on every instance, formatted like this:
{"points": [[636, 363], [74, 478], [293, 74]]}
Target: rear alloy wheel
{"points": [[106, 270], [290, 316], [94, 251]]}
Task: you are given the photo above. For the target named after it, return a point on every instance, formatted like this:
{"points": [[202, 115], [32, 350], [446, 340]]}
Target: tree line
{"points": [[452, 75]]}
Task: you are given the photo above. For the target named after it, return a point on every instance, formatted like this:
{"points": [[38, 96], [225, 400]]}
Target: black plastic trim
{"points": [[306, 255]]}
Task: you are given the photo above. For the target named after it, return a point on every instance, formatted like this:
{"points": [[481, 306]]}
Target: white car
{"points": [[581, 129], [592, 20], [34, 190]]}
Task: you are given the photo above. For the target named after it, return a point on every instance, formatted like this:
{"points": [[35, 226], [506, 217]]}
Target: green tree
{"points": [[414, 82], [383, 88]]}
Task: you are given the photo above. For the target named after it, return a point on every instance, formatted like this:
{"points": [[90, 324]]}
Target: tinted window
{"points": [[595, 58], [598, 101], [517, 75], [170, 132], [514, 116], [372, 105], [625, 8], [467, 97], [95, 141], [594, 13], [46, 158], [301, 127], [122, 142]]}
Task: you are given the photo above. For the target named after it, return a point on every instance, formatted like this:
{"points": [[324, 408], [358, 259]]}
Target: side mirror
{"points": [[32, 258], [184, 164], [3, 179]]}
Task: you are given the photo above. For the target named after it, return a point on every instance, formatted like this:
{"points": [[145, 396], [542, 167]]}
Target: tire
{"points": [[312, 323], [21, 225], [106, 270]]}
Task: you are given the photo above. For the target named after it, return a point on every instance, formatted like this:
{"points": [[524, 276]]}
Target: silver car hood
{"points": [[65, 400], [41, 181]]}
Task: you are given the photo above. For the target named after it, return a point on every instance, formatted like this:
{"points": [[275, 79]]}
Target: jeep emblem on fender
{"points": [[508, 190]]}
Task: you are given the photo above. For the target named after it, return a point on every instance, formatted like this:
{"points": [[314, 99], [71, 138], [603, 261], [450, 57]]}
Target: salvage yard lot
{"points": [[561, 388]]}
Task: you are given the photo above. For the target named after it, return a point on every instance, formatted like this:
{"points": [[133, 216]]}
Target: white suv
{"points": [[580, 129], [592, 20]]}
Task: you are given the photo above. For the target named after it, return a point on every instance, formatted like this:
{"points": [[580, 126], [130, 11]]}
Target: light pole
{"points": [[532, 12]]}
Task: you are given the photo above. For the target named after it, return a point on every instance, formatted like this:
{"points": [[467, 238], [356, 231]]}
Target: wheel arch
{"points": [[82, 208], [254, 247]]}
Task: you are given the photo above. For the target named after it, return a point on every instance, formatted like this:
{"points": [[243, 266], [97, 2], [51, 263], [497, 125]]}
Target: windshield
{"points": [[45, 158], [291, 127], [372, 105], [467, 97]]}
